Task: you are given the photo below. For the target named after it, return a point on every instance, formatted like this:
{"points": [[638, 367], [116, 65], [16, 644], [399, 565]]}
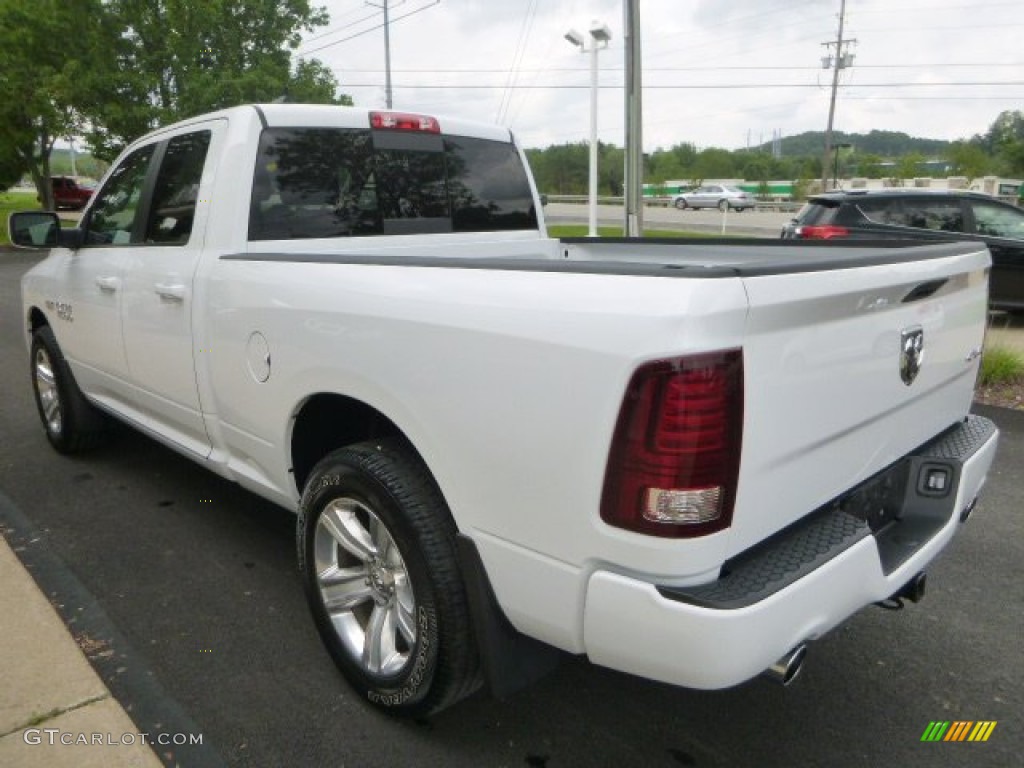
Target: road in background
{"points": [[709, 220], [199, 578]]}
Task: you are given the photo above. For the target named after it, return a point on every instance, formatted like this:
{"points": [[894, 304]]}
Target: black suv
{"points": [[928, 215]]}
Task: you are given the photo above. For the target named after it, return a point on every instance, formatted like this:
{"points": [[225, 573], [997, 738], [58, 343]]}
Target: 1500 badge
{"points": [[62, 308]]}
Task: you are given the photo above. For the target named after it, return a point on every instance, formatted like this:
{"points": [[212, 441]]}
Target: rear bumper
{"points": [[794, 587]]}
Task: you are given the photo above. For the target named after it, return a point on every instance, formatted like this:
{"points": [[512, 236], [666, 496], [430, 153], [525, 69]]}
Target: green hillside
{"points": [[881, 143]]}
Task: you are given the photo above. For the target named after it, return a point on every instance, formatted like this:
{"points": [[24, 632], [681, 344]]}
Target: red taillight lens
{"points": [[675, 456], [822, 232], [404, 121]]}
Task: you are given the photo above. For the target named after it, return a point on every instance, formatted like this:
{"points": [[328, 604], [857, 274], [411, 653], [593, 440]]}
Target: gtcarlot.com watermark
{"points": [[54, 737]]}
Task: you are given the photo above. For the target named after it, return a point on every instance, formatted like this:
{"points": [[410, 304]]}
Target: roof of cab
{"points": [[331, 116]]}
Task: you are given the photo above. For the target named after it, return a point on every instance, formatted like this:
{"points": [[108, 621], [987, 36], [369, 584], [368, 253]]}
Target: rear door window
{"points": [[936, 214], [997, 220]]}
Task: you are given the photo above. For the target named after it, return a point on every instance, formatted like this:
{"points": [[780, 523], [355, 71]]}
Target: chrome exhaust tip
{"points": [[913, 591], [785, 670]]}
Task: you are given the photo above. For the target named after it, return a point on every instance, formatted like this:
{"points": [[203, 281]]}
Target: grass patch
{"points": [[580, 230], [1001, 365], [11, 201]]}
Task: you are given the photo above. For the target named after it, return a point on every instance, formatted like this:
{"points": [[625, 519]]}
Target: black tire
{"points": [[723, 205], [72, 424], [680, 204], [375, 537]]}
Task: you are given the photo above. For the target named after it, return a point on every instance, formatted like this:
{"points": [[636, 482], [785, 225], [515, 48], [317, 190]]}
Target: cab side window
{"points": [[115, 213], [173, 207]]}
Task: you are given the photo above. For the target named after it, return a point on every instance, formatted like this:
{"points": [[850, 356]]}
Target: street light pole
{"points": [[592, 196], [600, 35]]}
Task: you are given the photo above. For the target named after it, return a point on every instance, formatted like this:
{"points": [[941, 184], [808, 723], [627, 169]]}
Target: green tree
{"points": [[758, 167], [611, 169], [968, 160], [713, 163], [1007, 128], [1011, 158], [671, 164], [869, 165], [561, 169], [172, 59], [907, 167], [11, 169], [45, 47]]}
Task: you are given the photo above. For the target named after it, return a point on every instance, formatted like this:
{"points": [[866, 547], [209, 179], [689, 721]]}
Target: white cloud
{"points": [[715, 71]]}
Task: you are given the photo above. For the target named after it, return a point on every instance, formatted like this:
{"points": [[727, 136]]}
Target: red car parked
{"points": [[68, 193]]}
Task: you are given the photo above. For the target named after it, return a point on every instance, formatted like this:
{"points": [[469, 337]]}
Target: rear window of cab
{"points": [[343, 182]]}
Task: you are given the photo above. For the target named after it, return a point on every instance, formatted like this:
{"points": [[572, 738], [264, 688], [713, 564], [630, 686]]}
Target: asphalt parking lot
{"points": [[191, 583]]}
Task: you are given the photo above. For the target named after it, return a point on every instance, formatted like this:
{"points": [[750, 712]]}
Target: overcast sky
{"points": [[716, 72]]}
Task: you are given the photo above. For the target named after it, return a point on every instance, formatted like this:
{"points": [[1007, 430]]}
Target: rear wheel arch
{"points": [[325, 422]]}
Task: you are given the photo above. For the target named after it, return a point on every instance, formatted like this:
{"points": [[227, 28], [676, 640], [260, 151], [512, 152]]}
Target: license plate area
{"points": [[879, 501]]}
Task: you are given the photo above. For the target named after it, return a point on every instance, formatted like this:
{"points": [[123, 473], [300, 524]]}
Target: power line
{"points": [[517, 59], [688, 86], [342, 28], [371, 29], [477, 70]]}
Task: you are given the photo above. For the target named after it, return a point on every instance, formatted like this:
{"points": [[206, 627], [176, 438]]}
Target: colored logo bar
{"points": [[959, 730]]}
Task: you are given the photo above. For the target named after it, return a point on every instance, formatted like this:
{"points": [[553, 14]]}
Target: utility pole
{"points": [[841, 61], [387, 50], [633, 182]]}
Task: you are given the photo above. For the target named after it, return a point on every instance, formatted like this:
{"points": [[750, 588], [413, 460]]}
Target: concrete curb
{"points": [[67, 666], [54, 709]]}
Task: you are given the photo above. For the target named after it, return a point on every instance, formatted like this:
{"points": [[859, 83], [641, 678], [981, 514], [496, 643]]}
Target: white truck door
{"points": [[156, 311], [92, 276]]}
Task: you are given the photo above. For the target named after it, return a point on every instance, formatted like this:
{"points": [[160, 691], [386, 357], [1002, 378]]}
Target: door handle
{"points": [[108, 284], [170, 291]]}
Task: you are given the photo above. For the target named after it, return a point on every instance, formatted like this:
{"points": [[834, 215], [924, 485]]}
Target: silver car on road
{"points": [[720, 196]]}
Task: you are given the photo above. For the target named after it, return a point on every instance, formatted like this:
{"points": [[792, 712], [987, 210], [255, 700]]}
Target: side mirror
{"points": [[41, 229], [543, 199], [34, 229]]}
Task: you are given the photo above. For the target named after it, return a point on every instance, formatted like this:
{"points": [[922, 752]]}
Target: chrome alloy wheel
{"points": [[365, 588], [49, 395]]}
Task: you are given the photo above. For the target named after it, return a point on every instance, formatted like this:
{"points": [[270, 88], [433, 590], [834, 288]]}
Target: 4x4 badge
{"points": [[911, 353]]}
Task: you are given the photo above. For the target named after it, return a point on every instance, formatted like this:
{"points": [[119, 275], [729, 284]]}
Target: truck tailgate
{"points": [[827, 404]]}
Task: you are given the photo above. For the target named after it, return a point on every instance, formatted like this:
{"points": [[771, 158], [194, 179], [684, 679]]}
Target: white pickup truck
{"points": [[685, 460]]}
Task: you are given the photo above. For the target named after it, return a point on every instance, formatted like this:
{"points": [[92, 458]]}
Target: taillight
{"points": [[675, 456], [404, 121], [821, 232]]}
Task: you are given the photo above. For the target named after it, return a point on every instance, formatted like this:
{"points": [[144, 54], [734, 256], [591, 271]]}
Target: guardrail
{"points": [[664, 202]]}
